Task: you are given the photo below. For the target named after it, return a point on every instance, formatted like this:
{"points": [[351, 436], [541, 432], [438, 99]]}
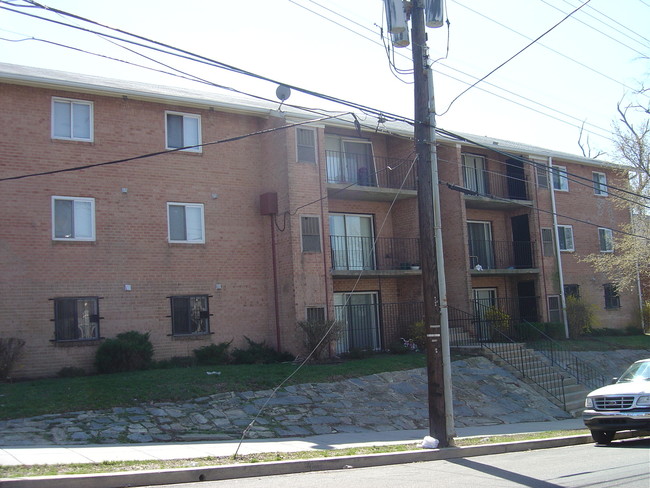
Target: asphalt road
{"points": [[623, 464]]}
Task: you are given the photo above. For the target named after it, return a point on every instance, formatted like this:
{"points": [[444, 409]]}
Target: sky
{"points": [[575, 74]]}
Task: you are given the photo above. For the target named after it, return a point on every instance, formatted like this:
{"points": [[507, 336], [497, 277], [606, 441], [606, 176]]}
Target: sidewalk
{"points": [[13, 456]]}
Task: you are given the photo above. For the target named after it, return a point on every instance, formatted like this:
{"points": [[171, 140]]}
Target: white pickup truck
{"points": [[623, 405]]}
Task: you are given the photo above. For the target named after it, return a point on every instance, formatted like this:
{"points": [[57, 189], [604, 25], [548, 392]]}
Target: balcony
{"points": [[498, 257], [363, 177], [494, 190], [375, 326], [384, 256]]}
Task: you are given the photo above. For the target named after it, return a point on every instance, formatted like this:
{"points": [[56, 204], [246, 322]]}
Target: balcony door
{"points": [[352, 241], [359, 314], [474, 174], [350, 161], [481, 252]]}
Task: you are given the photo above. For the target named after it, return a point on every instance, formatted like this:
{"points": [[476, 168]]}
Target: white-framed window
{"points": [[185, 222], [600, 184], [554, 309], [475, 173], [560, 179], [315, 314], [310, 233], [605, 239], [541, 173], [548, 249], [72, 119], [305, 145], [73, 219], [183, 130], [565, 237]]}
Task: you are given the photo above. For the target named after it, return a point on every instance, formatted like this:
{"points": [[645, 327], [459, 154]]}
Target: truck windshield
{"points": [[636, 372]]}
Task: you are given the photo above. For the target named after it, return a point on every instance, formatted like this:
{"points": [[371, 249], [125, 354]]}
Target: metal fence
{"points": [[501, 254], [384, 253], [368, 170]]}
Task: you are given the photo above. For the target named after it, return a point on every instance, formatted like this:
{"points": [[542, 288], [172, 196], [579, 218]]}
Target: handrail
{"points": [[581, 370]]}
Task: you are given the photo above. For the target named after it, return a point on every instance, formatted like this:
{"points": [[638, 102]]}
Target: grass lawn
{"points": [[56, 395]]}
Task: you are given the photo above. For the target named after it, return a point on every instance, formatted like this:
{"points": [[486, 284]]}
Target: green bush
{"points": [[175, 362], [10, 350], [129, 351], [418, 334], [259, 353], [318, 335], [581, 317], [213, 354], [71, 372], [398, 347]]}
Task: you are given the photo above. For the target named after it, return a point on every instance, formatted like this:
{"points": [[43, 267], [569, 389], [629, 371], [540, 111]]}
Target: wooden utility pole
{"points": [[425, 149]]}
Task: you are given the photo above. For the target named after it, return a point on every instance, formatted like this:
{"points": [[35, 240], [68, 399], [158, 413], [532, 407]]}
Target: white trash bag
{"points": [[429, 443]]}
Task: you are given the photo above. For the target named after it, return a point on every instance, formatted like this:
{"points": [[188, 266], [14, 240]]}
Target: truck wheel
{"points": [[603, 436]]}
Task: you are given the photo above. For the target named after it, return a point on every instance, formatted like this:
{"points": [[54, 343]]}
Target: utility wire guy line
{"points": [[370, 253], [512, 57]]}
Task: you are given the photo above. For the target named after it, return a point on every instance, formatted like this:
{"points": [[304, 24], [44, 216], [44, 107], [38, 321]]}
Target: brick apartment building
{"points": [[245, 237]]}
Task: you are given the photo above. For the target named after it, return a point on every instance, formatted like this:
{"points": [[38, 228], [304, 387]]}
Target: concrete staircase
{"points": [[536, 370]]}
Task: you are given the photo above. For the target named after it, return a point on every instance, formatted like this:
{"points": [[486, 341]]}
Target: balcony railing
{"points": [[365, 170], [361, 253], [376, 327], [489, 184], [501, 254]]}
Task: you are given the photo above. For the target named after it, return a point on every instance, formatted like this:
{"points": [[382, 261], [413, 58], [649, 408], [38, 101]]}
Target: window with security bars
{"points": [[315, 314], [190, 315], [306, 145], [76, 318], [310, 233], [612, 299]]}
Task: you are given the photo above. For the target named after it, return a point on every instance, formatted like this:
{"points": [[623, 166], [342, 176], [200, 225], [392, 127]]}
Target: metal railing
{"points": [[386, 253], [501, 254], [489, 184], [559, 355], [376, 326], [367, 170]]}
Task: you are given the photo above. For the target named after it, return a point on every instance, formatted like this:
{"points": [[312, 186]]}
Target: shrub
{"points": [[398, 347], [581, 317], [213, 354], [318, 335], [499, 320], [71, 372], [175, 362], [418, 334], [259, 353], [129, 351], [10, 351]]}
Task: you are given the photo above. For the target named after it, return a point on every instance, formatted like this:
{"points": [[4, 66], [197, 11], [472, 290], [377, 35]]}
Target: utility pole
{"points": [[434, 290]]}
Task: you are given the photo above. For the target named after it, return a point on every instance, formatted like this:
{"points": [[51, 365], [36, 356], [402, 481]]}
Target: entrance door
{"points": [[527, 301], [516, 179], [522, 250], [480, 245], [360, 317], [484, 300], [352, 241]]}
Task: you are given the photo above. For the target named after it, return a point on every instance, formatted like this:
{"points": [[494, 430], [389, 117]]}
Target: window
{"points": [[73, 219], [183, 130], [310, 232], [351, 238], [474, 174], [554, 309], [316, 314], [600, 184], [612, 300], [542, 175], [350, 161], [185, 222], [565, 237], [560, 180], [572, 291], [306, 145], [606, 240], [547, 242], [190, 315], [72, 119], [76, 319]]}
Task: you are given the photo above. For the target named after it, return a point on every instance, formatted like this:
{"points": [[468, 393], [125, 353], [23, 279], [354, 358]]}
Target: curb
{"points": [[217, 473]]}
